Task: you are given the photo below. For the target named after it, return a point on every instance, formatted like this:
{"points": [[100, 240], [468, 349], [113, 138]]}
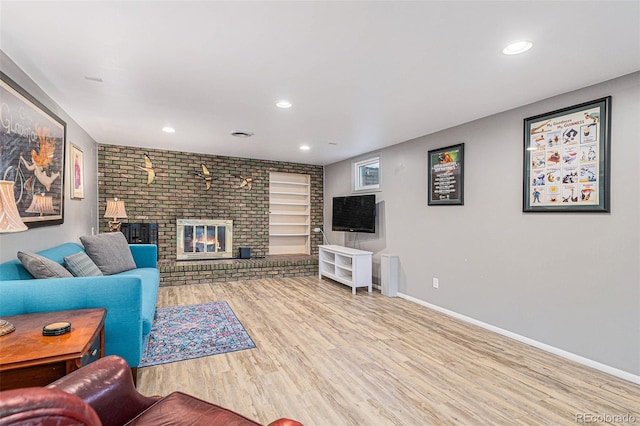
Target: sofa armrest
{"points": [[145, 255], [120, 295], [107, 386]]}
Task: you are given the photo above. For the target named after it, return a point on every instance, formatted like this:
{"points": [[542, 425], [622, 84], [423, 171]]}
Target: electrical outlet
{"points": [[436, 283]]}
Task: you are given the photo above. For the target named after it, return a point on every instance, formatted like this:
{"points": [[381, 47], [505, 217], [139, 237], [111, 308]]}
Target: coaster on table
{"points": [[56, 328]]}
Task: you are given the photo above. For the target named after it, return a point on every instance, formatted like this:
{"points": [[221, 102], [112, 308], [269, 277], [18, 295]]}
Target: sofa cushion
{"points": [[81, 265], [109, 251], [41, 267]]}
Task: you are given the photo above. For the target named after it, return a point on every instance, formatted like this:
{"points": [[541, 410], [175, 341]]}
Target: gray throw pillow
{"points": [[41, 267], [109, 251], [81, 265]]}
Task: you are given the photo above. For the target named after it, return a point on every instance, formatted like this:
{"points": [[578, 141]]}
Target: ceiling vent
{"points": [[241, 134]]}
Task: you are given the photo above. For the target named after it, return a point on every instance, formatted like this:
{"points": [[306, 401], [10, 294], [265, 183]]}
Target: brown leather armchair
{"points": [[102, 393]]}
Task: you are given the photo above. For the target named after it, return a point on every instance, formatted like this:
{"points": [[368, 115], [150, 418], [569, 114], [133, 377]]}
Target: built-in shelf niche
{"points": [[289, 213]]}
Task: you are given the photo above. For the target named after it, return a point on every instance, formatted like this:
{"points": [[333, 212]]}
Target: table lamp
{"points": [[116, 210], [9, 222]]}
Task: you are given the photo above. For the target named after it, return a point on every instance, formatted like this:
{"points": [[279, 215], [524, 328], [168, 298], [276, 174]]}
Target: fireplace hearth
{"points": [[204, 239]]}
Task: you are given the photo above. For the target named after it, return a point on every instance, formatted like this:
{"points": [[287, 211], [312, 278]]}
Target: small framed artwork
{"points": [[566, 159], [76, 171], [446, 176]]}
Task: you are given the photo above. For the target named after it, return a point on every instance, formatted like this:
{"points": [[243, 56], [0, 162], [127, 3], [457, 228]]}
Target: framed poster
{"points": [[566, 159], [76, 171], [32, 154], [446, 176]]}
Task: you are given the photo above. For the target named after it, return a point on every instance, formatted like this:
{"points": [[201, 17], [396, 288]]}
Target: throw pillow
{"points": [[41, 267], [109, 251], [81, 265]]}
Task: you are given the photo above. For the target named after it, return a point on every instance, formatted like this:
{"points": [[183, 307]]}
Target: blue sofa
{"points": [[129, 297]]}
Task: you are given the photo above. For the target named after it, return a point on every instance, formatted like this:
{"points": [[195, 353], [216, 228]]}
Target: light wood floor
{"points": [[325, 357]]}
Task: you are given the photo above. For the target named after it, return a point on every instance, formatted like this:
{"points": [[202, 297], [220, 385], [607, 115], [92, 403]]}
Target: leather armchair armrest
{"points": [[45, 407], [285, 422], [106, 384]]}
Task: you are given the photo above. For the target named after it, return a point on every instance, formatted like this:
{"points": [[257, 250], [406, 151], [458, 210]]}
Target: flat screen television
{"points": [[356, 213]]}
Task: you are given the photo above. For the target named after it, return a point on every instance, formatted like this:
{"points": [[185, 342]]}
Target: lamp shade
{"points": [[9, 217], [115, 209]]}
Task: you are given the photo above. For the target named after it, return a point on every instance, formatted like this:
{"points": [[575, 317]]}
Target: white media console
{"points": [[346, 265]]}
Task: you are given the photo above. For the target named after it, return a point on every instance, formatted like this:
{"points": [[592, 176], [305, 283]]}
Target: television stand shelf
{"points": [[345, 265]]}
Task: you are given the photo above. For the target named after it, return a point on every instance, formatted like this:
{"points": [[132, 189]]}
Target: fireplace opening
{"points": [[204, 239]]}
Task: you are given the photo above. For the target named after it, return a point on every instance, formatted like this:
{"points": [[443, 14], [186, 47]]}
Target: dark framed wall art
{"points": [[446, 176], [566, 159], [32, 155]]}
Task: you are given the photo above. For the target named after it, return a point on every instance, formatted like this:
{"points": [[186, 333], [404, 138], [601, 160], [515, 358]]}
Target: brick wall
{"points": [[176, 193]]}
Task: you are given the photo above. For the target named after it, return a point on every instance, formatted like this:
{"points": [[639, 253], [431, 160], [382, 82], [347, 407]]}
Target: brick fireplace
{"points": [[177, 193], [200, 239]]}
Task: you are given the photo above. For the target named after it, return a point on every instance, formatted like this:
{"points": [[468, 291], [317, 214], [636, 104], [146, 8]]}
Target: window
{"points": [[366, 174]]}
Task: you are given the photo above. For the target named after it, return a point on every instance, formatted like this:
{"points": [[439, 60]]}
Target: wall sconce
{"points": [[116, 210], [41, 204], [324, 236], [9, 217]]}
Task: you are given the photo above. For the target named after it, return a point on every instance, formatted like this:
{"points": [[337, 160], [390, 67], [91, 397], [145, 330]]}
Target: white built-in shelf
{"points": [[345, 265], [284, 193], [289, 213], [286, 182]]}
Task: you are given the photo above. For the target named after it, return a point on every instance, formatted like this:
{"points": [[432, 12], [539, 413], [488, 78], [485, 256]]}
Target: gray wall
{"points": [[570, 281], [79, 215]]}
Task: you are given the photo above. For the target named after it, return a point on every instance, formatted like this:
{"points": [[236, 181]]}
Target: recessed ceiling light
{"points": [[241, 134], [283, 104], [168, 129], [305, 148], [517, 47]]}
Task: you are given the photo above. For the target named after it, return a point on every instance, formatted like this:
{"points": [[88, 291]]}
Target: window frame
{"points": [[356, 167]]}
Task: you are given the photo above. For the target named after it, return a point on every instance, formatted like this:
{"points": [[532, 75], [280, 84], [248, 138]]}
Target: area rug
{"points": [[186, 332]]}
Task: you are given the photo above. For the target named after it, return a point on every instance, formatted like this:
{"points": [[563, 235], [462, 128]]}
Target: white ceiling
{"points": [[361, 74]]}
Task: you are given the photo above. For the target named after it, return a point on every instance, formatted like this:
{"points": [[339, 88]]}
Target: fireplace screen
{"points": [[204, 239]]}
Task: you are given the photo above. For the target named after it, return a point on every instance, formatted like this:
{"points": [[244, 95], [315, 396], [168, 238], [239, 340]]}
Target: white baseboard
{"points": [[548, 348]]}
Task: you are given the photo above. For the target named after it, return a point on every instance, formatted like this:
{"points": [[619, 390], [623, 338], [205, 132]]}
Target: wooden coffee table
{"points": [[27, 358]]}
